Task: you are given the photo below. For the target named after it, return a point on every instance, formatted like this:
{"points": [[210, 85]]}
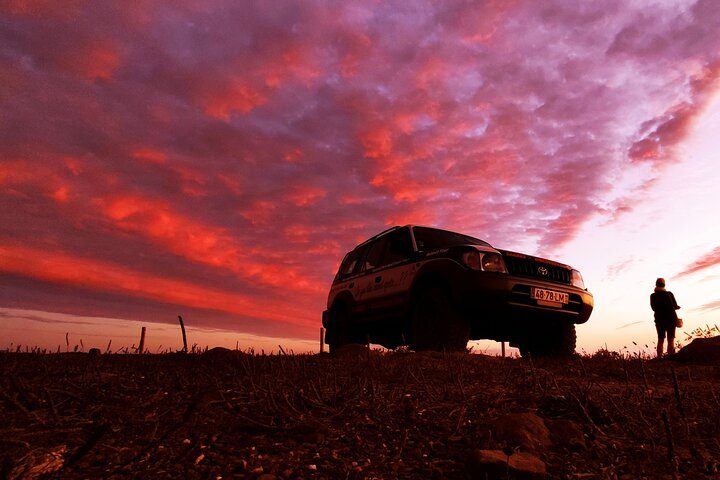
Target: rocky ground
{"points": [[226, 414]]}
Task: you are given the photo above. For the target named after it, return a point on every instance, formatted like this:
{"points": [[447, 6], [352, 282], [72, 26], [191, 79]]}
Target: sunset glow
{"points": [[217, 159]]}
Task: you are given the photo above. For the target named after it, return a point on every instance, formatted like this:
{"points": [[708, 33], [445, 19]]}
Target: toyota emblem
{"points": [[543, 271]]}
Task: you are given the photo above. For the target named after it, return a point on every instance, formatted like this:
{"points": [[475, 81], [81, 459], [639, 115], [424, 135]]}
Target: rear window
{"points": [[433, 239]]}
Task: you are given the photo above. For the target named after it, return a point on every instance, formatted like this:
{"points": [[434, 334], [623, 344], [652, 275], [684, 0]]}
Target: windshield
{"points": [[433, 238]]}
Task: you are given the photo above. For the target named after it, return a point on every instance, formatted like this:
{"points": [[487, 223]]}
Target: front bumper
{"points": [[499, 297]]}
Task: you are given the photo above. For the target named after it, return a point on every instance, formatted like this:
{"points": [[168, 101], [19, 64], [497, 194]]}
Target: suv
{"points": [[434, 289]]}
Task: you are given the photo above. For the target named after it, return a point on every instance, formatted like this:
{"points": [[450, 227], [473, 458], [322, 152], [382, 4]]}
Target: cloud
{"points": [[709, 306], [614, 270], [706, 261], [232, 152], [629, 324]]}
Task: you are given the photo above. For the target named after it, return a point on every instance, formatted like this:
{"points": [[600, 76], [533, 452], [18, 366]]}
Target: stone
{"points": [[525, 465], [218, 351], [267, 476], [524, 430], [487, 463], [94, 351], [701, 351], [495, 464], [567, 434]]}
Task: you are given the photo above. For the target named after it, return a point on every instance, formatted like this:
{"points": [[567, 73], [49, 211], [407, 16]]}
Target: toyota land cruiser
{"points": [[434, 289]]}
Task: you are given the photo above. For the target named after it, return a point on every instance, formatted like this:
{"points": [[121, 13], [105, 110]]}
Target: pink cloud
{"points": [[709, 260]]}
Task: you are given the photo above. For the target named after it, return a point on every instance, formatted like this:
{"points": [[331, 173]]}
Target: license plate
{"points": [[542, 295]]}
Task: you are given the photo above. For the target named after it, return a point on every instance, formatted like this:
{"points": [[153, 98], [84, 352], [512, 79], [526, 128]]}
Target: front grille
{"points": [[528, 267]]}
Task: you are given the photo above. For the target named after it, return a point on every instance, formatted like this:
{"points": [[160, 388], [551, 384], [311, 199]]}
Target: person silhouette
{"points": [[664, 305]]}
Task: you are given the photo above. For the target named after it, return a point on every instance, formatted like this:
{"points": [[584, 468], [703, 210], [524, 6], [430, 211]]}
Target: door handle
{"points": [[378, 279]]}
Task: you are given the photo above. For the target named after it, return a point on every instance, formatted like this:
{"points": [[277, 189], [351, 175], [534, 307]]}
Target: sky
{"points": [[216, 159]]}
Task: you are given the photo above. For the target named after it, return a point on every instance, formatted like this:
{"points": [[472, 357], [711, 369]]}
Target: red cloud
{"points": [[150, 155], [199, 242], [378, 143], [234, 98], [87, 273], [61, 194], [44, 8], [306, 195]]}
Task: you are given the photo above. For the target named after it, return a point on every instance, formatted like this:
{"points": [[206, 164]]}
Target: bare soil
{"points": [[227, 414]]}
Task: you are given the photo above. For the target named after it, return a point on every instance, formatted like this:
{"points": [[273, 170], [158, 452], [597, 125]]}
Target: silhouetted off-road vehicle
{"points": [[433, 289]]}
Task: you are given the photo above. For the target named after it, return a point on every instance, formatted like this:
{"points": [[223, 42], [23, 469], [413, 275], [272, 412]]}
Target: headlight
{"points": [[577, 279], [493, 262], [487, 262], [471, 260]]}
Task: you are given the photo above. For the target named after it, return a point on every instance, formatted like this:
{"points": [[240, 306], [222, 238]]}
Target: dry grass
{"points": [[395, 415]]}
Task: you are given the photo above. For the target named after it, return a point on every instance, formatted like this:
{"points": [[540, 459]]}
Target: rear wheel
{"points": [[435, 323], [340, 327]]}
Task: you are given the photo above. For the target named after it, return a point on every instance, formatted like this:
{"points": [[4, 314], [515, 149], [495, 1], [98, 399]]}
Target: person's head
{"points": [[660, 283]]}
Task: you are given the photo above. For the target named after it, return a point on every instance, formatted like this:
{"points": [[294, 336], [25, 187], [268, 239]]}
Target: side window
{"points": [[398, 247], [374, 253], [349, 264]]}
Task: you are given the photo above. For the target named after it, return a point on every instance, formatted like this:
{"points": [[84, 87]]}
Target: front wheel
{"points": [[435, 323], [556, 340]]}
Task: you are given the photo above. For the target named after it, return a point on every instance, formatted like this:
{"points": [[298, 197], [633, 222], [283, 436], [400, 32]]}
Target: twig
{"points": [[676, 388], [644, 377], [671, 444], [587, 415], [51, 403]]}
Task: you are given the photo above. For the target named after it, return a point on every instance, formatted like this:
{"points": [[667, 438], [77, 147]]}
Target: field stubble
{"points": [[229, 414]]}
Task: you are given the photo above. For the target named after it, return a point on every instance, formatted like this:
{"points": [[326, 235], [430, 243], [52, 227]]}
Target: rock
{"points": [[495, 464], [267, 476], [490, 463], [525, 465], [566, 433], [94, 351], [701, 351], [219, 351], [525, 430]]}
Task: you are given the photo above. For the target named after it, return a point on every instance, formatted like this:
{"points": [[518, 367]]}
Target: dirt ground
{"points": [[227, 414]]}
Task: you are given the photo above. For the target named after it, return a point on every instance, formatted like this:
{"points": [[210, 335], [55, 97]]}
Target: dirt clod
{"points": [[524, 430]]}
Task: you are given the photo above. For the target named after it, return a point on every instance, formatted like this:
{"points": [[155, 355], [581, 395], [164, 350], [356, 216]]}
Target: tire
{"points": [[435, 324], [565, 340], [556, 340], [340, 327]]}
